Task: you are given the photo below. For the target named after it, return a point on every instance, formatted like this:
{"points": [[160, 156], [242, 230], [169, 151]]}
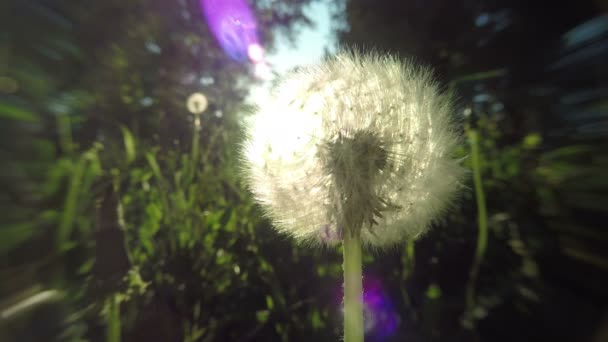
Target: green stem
{"points": [[482, 221], [353, 288], [113, 319], [195, 139], [410, 253]]}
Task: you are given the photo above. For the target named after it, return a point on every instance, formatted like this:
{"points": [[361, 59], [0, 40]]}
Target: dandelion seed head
{"points": [[360, 141]]}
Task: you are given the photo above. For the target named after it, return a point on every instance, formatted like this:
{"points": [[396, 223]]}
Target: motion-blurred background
{"points": [[123, 216]]}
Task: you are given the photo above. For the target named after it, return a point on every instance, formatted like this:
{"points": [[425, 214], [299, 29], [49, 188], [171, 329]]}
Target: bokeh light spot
{"points": [[256, 53]]}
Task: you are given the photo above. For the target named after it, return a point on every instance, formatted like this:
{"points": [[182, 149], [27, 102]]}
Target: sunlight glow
{"points": [[263, 71], [255, 53]]}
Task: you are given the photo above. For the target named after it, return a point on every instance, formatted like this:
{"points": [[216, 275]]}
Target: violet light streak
{"points": [[233, 24]]}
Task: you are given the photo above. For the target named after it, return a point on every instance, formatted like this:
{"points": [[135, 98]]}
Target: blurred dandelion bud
{"points": [[360, 144]]}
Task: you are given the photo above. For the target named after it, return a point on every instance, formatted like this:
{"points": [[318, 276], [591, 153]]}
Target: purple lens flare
{"points": [[380, 318], [379, 314], [233, 24]]}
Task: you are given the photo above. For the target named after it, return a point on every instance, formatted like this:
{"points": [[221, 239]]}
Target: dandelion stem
{"points": [[482, 221], [353, 288], [113, 319], [195, 140]]}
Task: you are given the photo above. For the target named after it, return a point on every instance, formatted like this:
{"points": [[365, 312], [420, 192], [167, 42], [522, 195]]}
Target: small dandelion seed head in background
{"points": [[359, 136]]}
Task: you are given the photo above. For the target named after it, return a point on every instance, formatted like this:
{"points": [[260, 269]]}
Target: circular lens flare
{"points": [[234, 26], [255, 53]]}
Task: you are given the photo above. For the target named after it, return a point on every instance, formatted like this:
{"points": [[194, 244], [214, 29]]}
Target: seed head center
{"points": [[355, 162]]}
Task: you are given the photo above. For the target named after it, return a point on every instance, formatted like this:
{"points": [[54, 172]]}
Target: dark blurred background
{"points": [[123, 216]]}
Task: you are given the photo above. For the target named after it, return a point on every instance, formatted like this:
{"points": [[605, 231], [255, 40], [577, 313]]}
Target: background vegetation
{"points": [[130, 227]]}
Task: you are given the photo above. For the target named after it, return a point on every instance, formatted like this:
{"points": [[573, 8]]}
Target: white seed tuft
{"points": [[357, 142]]}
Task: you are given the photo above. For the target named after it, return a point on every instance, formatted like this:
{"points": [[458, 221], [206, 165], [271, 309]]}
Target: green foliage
{"points": [[83, 173], [196, 235], [8, 111], [95, 108], [541, 165]]}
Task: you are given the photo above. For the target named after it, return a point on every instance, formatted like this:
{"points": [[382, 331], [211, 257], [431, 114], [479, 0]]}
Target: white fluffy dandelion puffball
{"points": [[360, 144]]}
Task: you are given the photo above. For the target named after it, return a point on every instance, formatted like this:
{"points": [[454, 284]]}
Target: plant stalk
{"points": [[113, 319], [353, 288], [196, 139], [482, 220]]}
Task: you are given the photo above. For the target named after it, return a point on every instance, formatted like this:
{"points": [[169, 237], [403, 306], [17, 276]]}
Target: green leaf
{"points": [[14, 235], [566, 152], [11, 112], [316, 320], [154, 212], [228, 220], [269, 302], [262, 316], [82, 177], [433, 291], [154, 165], [129, 142], [86, 266], [70, 205], [532, 140]]}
